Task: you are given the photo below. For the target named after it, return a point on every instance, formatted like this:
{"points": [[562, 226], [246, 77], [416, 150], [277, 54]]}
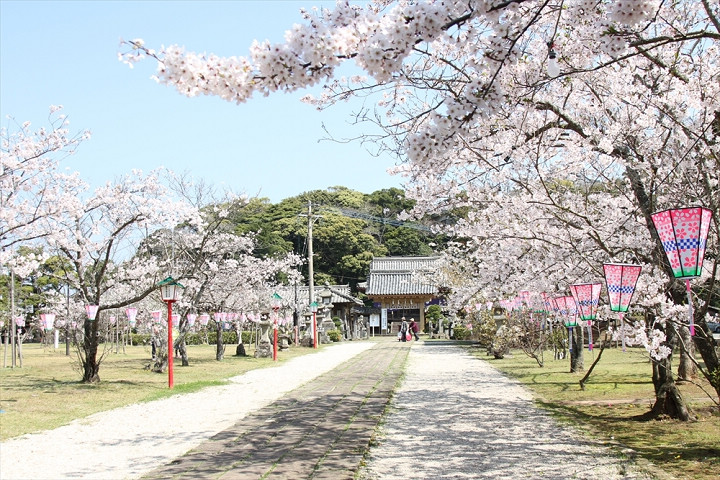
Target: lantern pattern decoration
{"points": [[191, 318], [204, 319], [683, 233], [131, 313], [587, 298], [91, 311], [156, 316], [620, 279], [48, 321]]}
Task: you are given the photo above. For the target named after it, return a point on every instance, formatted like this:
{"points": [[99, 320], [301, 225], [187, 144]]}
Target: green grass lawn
{"points": [[46, 393], [617, 394]]}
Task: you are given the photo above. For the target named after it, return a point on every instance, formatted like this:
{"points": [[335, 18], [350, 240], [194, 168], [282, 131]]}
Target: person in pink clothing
{"points": [[414, 328]]}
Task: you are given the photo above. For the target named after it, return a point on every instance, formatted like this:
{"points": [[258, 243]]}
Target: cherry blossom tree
{"points": [[33, 188], [100, 240], [560, 125], [220, 271]]}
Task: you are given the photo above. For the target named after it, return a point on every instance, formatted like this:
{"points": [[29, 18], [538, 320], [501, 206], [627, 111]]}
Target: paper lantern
{"points": [[91, 311], [683, 233], [620, 279], [48, 320], [131, 313], [564, 307], [204, 319], [587, 298], [191, 317]]}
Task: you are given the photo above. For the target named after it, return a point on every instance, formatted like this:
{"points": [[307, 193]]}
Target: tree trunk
{"points": [[182, 348], [219, 347], [668, 400], [705, 344], [687, 370], [587, 375], [577, 361], [90, 363]]}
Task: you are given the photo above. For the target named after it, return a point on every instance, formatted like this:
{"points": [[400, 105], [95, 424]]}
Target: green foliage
{"points": [[337, 322], [343, 245], [405, 241], [334, 335], [140, 338], [461, 332], [229, 338]]}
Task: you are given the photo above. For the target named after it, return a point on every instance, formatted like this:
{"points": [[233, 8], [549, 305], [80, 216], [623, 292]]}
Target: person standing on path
{"points": [[403, 330], [414, 329]]}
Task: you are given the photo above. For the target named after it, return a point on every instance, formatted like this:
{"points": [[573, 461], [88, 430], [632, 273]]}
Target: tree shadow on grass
{"points": [[646, 435]]}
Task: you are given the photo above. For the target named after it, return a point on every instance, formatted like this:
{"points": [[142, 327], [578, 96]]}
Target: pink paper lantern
{"points": [[683, 233], [587, 297], [204, 319], [621, 279], [565, 307], [48, 320], [131, 313], [191, 317], [91, 311]]}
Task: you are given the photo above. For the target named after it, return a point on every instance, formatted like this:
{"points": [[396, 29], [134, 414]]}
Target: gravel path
{"points": [[128, 442], [455, 416]]}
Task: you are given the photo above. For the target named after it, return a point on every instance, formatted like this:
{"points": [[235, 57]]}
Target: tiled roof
{"points": [[394, 276], [340, 294]]}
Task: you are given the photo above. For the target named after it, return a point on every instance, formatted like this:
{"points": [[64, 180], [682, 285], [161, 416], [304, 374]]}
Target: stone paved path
{"points": [[317, 431], [457, 417]]}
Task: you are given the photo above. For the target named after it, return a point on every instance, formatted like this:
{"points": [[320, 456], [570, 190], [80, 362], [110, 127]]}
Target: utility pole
{"points": [[311, 277], [13, 349], [311, 274]]}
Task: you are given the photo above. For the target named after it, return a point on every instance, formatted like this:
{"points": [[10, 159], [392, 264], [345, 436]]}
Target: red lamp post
{"points": [[683, 233], [314, 309], [275, 305], [170, 291]]}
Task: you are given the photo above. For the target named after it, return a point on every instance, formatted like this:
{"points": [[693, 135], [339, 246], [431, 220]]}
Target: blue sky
{"points": [[65, 53]]}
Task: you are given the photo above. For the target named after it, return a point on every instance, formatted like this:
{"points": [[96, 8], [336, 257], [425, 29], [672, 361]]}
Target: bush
{"points": [[140, 338], [227, 338], [461, 332], [334, 335]]}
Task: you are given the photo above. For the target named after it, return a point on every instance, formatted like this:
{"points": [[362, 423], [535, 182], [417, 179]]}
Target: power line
{"points": [[387, 221]]}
